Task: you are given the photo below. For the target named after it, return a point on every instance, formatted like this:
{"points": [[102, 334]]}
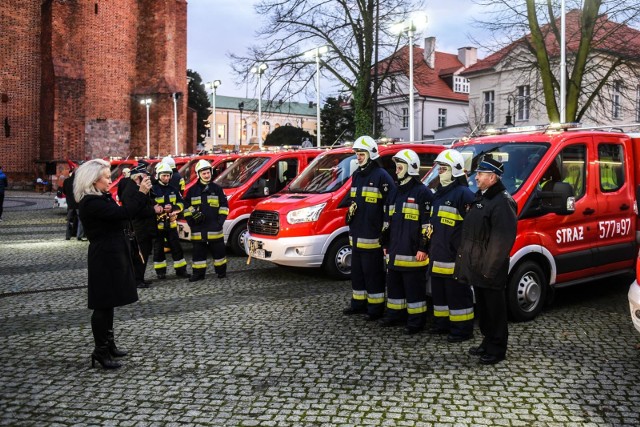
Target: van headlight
{"points": [[308, 214]]}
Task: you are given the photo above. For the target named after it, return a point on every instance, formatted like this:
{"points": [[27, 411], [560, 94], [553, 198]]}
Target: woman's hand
{"points": [[145, 185]]}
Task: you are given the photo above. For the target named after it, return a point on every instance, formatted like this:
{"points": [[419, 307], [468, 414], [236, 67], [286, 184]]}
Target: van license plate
{"points": [[255, 249]]}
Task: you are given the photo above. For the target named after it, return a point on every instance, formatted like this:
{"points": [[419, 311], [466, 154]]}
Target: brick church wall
{"points": [[72, 77]]}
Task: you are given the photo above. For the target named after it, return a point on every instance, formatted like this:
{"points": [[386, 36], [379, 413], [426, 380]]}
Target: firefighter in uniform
{"points": [[369, 189], [452, 301], [405, 241], [206, 211], [177, 181], [170, 200]]}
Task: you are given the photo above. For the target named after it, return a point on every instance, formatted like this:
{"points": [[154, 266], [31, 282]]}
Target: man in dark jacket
{"points": [[4, 183], [488, 234], [74, 225], [144, 222]]}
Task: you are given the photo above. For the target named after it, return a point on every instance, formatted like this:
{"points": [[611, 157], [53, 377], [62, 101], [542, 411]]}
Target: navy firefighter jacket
{"points": [[167, 195], [210, 200], [408, 216], [369, 189], [449, 207]]}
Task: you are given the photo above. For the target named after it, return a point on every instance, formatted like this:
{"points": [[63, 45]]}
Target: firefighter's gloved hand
{"points": [[385, 236], [425, 236], [198, 217], [351, 212]]}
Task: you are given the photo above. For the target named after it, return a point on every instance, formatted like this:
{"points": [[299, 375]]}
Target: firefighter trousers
{"points": [[159, 257], [368, 281], [452, 306], [407, 296], [217, 249]]}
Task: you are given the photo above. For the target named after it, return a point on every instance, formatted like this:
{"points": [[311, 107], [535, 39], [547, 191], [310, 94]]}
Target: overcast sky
{"points": [[216, 27]]}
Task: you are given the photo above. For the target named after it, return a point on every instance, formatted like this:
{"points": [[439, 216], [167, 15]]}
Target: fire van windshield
{"points": [[326, 174]]}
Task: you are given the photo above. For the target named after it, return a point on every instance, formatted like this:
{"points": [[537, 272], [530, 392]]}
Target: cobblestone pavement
{"points": [[268, 347]]}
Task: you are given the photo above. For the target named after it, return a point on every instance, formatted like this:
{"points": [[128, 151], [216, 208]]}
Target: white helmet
{"points": [[201, 165], [366, 143], [410, 158], [163, 168], [454, 159], [169, 160]]}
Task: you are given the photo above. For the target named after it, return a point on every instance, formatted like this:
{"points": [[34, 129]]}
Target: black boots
{"points": [[105, 350], [103, 357], [113, 350]]}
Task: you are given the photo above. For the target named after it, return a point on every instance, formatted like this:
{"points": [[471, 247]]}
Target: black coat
{"points": [[144, 221], [67, 188], [488, 233], [111, 278]]}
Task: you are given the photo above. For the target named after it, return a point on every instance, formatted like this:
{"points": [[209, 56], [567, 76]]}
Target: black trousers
{"points": [[1, 203], [101, 325], [368, 281], [139, 268], [491, 306]]}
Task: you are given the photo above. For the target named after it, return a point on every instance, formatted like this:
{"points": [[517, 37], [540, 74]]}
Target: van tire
{"points": [[337, 261], [236, 238], [526, 291]]}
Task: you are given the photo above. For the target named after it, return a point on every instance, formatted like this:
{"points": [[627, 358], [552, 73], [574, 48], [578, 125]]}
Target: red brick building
{"points": [[73, 73]]}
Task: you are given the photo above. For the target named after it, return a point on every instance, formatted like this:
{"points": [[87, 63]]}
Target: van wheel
{"points": [[337, 261], [526, 291], [237, 238]]}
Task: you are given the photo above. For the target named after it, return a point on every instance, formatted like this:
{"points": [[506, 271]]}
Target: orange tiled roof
{"points": [[427, 81], [625, 43]]}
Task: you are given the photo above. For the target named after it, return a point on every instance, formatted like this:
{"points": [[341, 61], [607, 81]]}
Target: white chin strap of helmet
{"points": [[401, 170]]}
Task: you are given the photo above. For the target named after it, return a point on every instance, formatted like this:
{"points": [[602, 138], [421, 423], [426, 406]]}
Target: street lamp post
{"points": [[214, 85], [240, 107], [147, 103], [315, 53], [175, 96], [259, 70], [409, 27], [563, 63]]}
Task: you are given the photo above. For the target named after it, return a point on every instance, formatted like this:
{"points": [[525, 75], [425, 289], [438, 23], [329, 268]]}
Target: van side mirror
{"points": [[554, 197]]}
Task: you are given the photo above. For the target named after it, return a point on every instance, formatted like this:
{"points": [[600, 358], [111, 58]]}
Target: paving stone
{"points": [[269, 347]]}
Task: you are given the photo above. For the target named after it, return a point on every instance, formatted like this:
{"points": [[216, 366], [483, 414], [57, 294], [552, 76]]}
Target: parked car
{"points": [[634, 297]]}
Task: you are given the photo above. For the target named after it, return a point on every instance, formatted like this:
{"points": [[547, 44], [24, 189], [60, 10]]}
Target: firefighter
{"points": [[369, 189], [452, 301], [170, 200], [206, 211], [177, 181], [405, 243]]}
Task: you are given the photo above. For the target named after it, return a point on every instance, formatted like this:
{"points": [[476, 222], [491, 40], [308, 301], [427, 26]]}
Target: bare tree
{"points": [[602, 49], [346, 27]]}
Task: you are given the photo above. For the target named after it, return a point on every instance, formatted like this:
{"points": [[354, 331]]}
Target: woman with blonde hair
{"points": [[111, 280]]}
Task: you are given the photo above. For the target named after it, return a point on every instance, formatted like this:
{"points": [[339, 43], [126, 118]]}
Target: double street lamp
{"points": [[214, 85], [409, 27], [147, 103], [316, 53], [259, 70]]}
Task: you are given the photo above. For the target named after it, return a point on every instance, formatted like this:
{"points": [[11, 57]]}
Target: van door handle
{"points": [[624, 207], [588, 211]]}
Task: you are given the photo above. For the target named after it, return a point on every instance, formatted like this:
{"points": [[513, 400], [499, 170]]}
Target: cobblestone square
{"points": [[268, 346]]}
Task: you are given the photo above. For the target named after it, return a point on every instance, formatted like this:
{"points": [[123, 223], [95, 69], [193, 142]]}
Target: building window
{"points": [[488, 107], [460, 84], [442, 117], [616, 112], [392, 88], [523, 102], [405, 117], [638, 103]]}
